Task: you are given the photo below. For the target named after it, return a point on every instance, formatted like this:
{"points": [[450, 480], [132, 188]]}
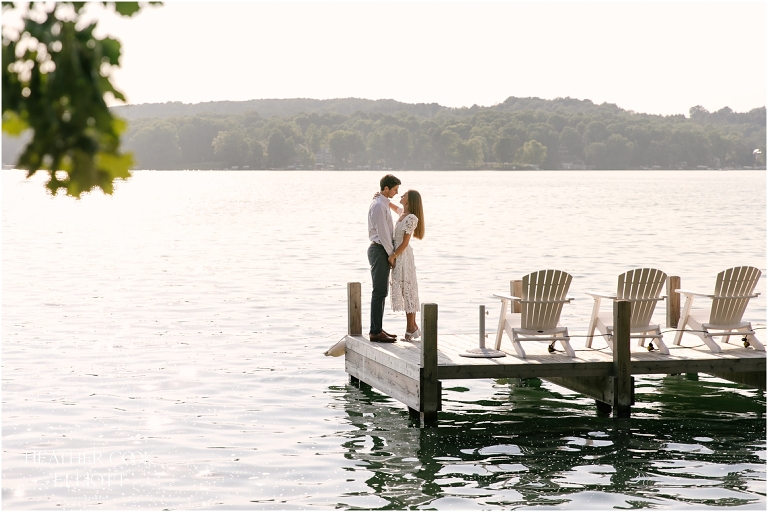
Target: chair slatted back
{"points": [[641, 283], [733, 282], [544, 285]]}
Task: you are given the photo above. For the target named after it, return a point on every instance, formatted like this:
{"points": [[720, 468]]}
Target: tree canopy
{"points": [[550, 134], [55, 80]]}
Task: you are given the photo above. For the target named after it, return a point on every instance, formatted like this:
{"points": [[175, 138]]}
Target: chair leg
{"points": [[565, 342], [709, 341], [502, 323], [609, 338], [683, 320], [704, 335], [517, 346], [593, 322]]}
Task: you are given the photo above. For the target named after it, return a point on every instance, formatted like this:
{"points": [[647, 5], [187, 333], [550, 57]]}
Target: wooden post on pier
{"points": [[673, 302], [612, 392], [354, 311], [354, 317], [429, 386], [622, 312], [516, 290]]}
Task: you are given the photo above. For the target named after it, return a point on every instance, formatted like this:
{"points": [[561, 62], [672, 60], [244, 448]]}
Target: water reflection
{"points": [[532, 443]]}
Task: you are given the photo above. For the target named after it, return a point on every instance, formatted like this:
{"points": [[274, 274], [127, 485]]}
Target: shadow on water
{"points": [[689, 443]]}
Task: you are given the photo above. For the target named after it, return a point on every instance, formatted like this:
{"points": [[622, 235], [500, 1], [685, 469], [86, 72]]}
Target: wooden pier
{"points": [[412, 372]]}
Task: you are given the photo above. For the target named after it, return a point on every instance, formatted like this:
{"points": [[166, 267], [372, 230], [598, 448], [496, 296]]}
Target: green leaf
{"points": [[116, 165], [119, 125], [71, 128], [111, 50], [127, 8], [13, 124]]}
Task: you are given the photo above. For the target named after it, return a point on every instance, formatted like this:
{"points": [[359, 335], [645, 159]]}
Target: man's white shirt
{"points": [[380, 228]]}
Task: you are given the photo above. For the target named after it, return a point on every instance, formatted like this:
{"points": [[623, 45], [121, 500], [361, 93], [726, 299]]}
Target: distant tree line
{"points": [[520, 133]]}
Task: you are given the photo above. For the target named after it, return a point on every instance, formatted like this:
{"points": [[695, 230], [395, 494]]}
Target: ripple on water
{"points": [[182, 337]]}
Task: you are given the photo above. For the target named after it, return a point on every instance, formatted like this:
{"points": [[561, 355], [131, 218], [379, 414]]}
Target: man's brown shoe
{"points": [[381, 338], [390, 335]]}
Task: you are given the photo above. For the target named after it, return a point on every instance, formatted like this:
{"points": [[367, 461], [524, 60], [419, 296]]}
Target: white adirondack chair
{"points": [[543, 296], [733, 289], [641, 287]]}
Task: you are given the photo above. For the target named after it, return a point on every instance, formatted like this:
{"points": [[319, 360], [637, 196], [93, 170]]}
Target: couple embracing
{"points": [[391, 257]]}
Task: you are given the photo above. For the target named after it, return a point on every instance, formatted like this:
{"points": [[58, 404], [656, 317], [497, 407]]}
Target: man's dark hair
{"points": [[389, 181]]}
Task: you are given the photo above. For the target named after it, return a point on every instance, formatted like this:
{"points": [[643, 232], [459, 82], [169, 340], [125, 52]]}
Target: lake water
{"points": [[162, 348]]}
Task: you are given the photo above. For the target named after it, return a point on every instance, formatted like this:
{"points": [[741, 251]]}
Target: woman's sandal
{"points": [[409, 336]]}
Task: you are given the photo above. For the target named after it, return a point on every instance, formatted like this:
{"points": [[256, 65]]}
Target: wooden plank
{"points": [[525, 370], [599, 388], [428, 382], [451, 347], [400, 359], [481, 333], [393, 355], [538, 355], [673, 301], [750, 379], [386, 380], [647, 366], [516, 287], [622, 313], [354, 310]]}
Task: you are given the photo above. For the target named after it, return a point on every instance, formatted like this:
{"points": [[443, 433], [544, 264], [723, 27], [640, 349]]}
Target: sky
{"points": [[652, 57]]}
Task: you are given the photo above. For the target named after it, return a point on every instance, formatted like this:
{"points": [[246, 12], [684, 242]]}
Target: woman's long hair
{"points": [[414, 205]]}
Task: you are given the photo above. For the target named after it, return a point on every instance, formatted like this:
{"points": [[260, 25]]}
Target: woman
{"points": [[404, 288]]}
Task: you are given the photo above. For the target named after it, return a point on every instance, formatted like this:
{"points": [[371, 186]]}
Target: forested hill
{"points": [[345, 106], [352, 133], [275, 107]]}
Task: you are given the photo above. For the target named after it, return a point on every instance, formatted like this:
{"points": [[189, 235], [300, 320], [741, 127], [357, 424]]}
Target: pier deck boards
{"points": [[690, 357]]}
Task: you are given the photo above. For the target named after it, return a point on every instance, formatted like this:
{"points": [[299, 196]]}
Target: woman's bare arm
{"points": [[400, 249], [392, 206]]}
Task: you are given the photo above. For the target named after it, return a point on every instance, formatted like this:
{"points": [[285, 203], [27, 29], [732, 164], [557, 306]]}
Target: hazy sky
{"points": [[654, 57]]}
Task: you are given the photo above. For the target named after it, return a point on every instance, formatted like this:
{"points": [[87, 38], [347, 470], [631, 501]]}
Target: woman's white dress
{"points": [[402, 279]]}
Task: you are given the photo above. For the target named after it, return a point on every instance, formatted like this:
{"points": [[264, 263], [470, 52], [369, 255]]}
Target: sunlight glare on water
{"points": [[162, 347]]}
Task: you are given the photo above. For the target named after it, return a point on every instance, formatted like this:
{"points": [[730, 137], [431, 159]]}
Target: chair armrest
{"points": [[558, 301], [507, 297], [510, 297], [693, 294], [602, 295], [713, 296]]}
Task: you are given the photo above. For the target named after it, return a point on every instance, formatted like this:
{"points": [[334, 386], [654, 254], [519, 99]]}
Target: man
{"points": [[381, 233]]}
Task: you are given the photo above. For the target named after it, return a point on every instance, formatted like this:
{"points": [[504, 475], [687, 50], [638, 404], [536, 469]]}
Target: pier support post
{"points": [[354, 311], [429, 386], [622, 312], [516, 290], [673, 302]]}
